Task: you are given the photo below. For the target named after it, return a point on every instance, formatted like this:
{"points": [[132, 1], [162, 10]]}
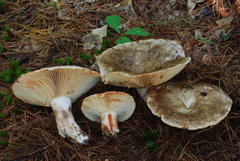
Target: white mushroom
{"points": [[142, 64], [108, 108], [193, 108], [58, 87]]}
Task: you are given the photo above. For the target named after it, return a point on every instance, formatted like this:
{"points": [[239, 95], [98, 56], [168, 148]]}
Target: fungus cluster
{"points": [[144, 65]]}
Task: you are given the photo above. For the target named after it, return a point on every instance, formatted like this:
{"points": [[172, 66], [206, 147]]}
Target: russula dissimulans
{"points": [[108, 108], [193, 108], [142, 64], [58, 87]]}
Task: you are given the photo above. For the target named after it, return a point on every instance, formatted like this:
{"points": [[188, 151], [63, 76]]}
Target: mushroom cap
{"points": [[193, 108], [142, 64], [41, 86], [122, 103]]}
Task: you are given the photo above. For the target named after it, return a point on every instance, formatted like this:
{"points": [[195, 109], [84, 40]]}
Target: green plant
{"points": [[7, 96], [54, 4], [152, 146], [60, 61], [2, 10], [84, 56], [15, 64], [224, 36], [5, 37], [15, 109], [97, 51], [3, 133], [105, 43], [63, 61], [151, 136], [37, 14], [13, 72], [3, 143], [122, 40], [207, 41], [114, 21], [15, 144], [1, 49], [68, 60], [5, 156], [7, 28], [2, 116]]}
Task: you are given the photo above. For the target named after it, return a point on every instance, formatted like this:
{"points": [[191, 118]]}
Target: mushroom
{"points": [[193, 108], [108, 108], [58, 87], [142, 64]]}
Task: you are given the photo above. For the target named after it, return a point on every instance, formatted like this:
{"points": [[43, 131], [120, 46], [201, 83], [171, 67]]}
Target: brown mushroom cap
{"points": [[41, 86], [193, 108], [142, 64]]}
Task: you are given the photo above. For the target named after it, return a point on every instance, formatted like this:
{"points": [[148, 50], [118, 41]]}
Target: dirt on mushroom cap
{"points": [[193, 108]]}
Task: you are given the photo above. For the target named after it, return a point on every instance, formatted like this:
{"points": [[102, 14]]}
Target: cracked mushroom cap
{"points": [[142, 64], [193, 108], [41, 86], [121, 103]]}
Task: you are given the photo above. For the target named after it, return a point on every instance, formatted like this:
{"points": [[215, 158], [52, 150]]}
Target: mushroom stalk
{"points": [[67, 127], [109, 124]]}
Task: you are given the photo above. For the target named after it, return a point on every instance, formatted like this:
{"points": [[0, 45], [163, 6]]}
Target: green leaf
{"points": [[114, 21], [1, 49], [137, 31], [122, 40], [208, 41], [224, 36], [3, 133]]}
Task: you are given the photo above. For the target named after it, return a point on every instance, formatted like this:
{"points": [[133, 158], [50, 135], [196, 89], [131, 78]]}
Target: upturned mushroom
{"points": [[142, 64], [108, 108], [58, 87], [193, 108]]}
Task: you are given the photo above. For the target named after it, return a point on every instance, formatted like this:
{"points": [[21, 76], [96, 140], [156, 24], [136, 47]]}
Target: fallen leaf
{"points": [[126, 6], [191, 5], [225, 22], [94, 39]]}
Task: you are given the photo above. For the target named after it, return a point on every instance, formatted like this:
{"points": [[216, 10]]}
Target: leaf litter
{"points": [[39, 35]]}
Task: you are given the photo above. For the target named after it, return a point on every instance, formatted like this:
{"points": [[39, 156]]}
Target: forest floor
{"points": [[44, 34]]}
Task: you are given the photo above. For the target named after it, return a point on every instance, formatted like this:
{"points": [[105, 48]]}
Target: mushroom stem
{"points": [[109, 124], [67, 127]]}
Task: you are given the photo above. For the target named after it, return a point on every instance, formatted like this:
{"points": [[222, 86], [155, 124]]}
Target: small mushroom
{"points": [[142, 64], [193, 108], [58, 87], [108, 108]]}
